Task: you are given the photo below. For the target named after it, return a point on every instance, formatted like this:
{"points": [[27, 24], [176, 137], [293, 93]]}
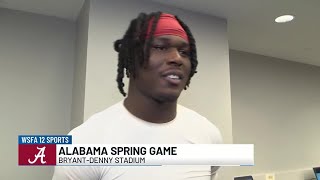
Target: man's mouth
{"points": [[173, 78]]}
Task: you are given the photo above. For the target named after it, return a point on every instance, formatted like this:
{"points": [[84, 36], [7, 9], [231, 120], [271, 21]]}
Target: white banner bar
{"points": [[155, 154]]}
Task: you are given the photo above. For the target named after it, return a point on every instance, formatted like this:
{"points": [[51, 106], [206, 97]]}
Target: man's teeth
{"points": [[173, 77]]}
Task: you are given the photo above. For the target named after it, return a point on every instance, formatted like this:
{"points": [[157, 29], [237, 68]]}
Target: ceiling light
{"points": [[284, 19]]}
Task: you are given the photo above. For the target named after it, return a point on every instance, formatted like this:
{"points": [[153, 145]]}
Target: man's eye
{"points": [[184, 52], [160, 48]]}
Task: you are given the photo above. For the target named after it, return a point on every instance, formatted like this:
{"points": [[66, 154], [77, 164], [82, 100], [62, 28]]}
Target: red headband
{"points": [[167, 25]]}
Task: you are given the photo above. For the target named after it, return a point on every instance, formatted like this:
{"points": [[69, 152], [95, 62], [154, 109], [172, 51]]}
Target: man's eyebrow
{"points": [[168, 40]]}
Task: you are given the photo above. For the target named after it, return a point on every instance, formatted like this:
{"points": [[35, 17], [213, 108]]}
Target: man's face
{"points": [[166, 73]]}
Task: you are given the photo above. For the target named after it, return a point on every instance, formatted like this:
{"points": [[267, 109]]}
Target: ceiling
{"points": [[251, 26]]}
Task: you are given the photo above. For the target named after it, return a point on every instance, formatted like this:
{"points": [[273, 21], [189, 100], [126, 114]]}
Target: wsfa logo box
{"points": [[39, 149]]}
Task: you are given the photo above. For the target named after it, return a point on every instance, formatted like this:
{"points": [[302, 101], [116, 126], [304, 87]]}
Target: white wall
{"points": [[276, 106], [79, 81], [36, 69]]}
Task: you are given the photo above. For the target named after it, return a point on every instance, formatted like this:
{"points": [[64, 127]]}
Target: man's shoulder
{"points": [[94, 129]]}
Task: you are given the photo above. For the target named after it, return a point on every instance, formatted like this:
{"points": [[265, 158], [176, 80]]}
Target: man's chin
{"points": [[167, 97]]}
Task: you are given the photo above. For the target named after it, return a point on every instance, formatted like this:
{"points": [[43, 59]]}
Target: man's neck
{"points": [[149, 109]]}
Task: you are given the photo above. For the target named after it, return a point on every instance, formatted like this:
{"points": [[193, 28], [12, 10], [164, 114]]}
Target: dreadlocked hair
{"points": [[134, 48]]}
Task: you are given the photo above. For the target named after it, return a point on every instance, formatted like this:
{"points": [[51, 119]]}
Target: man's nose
{"points": [[174, 57]]}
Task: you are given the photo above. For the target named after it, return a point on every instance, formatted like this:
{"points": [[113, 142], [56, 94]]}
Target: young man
{"points": [[158, 55]]}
